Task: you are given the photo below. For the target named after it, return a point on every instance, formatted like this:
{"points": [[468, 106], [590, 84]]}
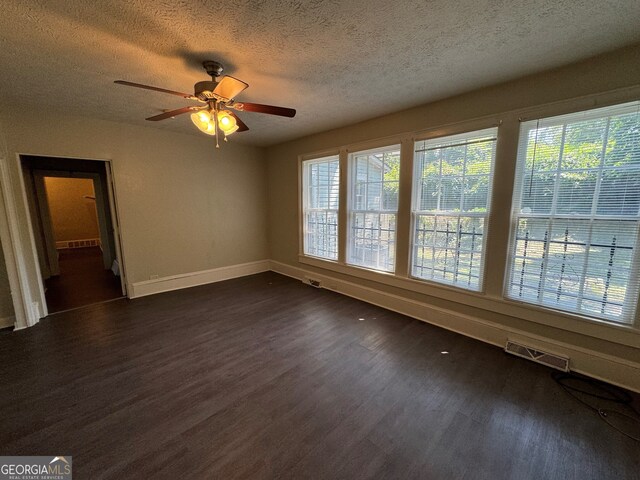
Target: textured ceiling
{"points": [[336, 62]]}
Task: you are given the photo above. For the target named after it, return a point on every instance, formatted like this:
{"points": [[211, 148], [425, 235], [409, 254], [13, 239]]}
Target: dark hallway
{"points": [[82, 280]]}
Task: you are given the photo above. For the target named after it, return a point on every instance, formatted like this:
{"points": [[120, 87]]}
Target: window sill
{"points": [[618, 333]]}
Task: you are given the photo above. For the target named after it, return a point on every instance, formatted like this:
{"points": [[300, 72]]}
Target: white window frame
{"points": [[305, 208], [352, 212], [631, 320], [448, 141]]}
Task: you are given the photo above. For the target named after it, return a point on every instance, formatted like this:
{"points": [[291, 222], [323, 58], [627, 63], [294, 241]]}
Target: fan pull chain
{"points": [[215, 122]]}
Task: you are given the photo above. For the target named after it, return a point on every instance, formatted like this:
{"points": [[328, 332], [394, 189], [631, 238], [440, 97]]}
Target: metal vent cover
{"points": [[549, 359], [313, 282]]}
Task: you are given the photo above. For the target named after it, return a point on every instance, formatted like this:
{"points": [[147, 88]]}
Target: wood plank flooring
{"points": [[83, 280], [265, 377]]}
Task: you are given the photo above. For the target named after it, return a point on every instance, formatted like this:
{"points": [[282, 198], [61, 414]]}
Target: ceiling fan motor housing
{"points": [[213, 68], [204, 90]]}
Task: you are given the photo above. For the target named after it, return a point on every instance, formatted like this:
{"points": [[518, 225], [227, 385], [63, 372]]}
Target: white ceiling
{"points": [[336, 62]]}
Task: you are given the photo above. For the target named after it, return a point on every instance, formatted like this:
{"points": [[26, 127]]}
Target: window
{"points": [[374, 183], [575, 221], [320, 200], [451, 194]]}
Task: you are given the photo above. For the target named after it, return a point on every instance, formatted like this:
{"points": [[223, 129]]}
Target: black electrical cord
{"points": [[605, 391]]}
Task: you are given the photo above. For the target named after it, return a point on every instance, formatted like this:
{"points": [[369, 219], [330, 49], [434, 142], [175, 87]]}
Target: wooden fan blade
{"points": [[242, 127], [229, 87], [173, 113], [260, 108], [155, 89]]}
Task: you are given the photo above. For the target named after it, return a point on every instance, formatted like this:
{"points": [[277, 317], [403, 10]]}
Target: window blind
{"points": [[374, 183], [574, 244], [321, 187], [451, 195]]}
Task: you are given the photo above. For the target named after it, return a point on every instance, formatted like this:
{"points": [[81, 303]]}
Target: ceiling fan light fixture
{"points": [[211, 116], [227, 122], [203, 121], [229, 132]]}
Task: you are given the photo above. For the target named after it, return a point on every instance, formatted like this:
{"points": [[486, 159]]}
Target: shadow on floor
{"points": [[82, 280]]}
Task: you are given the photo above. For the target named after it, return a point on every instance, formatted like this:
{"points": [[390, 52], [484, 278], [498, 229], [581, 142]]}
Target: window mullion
{"points": [[404, 242], [344, 201]]}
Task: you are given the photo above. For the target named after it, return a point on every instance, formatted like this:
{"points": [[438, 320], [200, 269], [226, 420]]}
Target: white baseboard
{"points": [[611, 369], [7, 321], [186, 280]]}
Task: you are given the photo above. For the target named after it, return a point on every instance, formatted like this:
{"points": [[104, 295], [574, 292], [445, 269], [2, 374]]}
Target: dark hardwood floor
{"points": [[83, 280], [265, 377]]}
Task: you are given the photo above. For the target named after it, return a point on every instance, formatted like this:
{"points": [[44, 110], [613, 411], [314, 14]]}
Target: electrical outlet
{"points": [[153, 277]]}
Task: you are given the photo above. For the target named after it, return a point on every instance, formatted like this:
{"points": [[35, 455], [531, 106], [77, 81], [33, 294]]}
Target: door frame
{"points": [[45, 212], [30, 303], [49, 250]]}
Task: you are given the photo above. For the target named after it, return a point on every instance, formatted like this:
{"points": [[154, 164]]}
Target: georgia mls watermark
{"points": [[36, 468]]}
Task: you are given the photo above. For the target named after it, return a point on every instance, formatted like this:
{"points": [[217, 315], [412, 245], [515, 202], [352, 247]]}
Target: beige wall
{"points": [[504, 103], [184, 206], [73, 216]]}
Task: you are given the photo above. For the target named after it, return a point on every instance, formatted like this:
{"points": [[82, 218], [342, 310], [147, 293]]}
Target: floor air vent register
{"points": [[549, 359]]}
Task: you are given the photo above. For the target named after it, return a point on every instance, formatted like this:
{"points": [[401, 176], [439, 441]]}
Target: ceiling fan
{"points": [[214, 116]]}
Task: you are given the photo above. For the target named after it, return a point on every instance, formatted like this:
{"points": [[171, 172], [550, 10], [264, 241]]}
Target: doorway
{"points": [[75, 229]]}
